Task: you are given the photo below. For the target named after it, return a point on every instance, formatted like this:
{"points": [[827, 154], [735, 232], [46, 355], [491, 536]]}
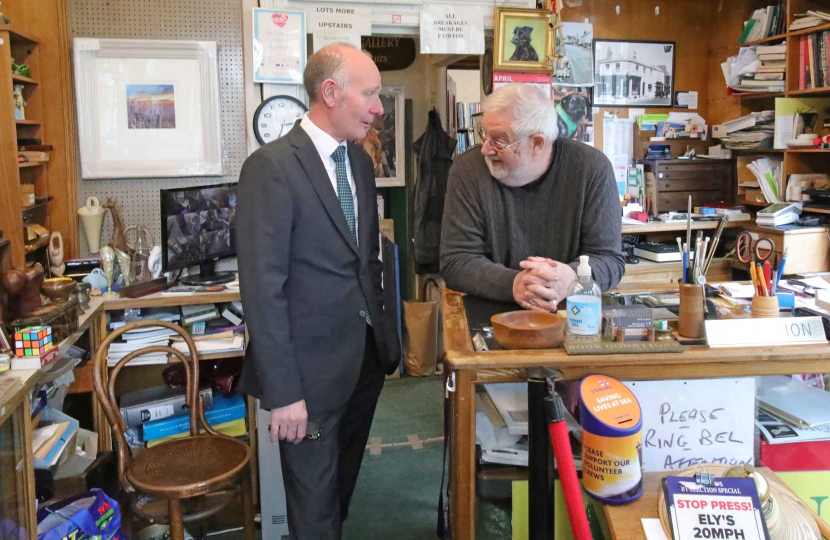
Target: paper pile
{"points": [[755, 130], [768, 172]]}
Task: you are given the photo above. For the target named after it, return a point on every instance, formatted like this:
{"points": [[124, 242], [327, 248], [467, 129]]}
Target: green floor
{"points": [[397, 491]]}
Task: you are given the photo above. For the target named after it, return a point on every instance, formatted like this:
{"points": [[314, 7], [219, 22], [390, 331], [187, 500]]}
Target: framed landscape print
{"points": [[633, 73], [522, 40], [148, 108]]}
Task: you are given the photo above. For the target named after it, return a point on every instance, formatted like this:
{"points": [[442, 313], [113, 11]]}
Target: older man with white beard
{"points": [[518, 215]]}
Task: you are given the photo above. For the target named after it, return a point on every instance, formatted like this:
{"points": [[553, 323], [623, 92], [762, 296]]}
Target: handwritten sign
{"points": [[760, 332], [340, 19], [696, 421], [448, 29]]}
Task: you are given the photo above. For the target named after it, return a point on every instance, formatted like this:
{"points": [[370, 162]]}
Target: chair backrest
{"points": [[104, 385]]}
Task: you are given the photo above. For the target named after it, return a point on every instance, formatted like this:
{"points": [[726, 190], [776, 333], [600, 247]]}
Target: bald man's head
{"points": [[333, 62], [343, 86]]}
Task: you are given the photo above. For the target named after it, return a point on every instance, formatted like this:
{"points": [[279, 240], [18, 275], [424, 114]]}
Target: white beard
{"points": [[515, 178]]}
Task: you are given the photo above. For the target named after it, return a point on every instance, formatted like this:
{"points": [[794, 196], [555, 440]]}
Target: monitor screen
{"points": [[197, 225]]}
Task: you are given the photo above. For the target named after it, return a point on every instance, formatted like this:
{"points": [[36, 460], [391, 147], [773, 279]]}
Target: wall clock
{"points": [[276, 116]]}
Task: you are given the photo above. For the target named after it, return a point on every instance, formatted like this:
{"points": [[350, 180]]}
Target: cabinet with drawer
{"points": [[670, 182]]}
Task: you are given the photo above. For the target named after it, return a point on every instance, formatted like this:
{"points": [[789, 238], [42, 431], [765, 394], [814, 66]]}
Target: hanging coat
{"points": [[434, 153]]}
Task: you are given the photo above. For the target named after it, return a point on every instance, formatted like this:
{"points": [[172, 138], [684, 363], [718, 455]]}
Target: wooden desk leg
{"points": [[462, 457], [251, 404], [102, 427], [25, 435]]}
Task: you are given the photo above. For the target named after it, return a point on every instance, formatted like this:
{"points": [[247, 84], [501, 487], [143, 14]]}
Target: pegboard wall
{"points": [[202, 20]]}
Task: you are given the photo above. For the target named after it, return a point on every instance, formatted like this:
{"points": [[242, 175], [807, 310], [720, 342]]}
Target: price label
{"points": [[760, 332]]}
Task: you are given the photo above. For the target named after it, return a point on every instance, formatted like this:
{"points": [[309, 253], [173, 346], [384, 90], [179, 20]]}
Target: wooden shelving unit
{"points": [[795, 160], [38, 37]]}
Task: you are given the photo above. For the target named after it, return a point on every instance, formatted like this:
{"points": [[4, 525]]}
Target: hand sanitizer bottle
{"points": [[584, 302]]}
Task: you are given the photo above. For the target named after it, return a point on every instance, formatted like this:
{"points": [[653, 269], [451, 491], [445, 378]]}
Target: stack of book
{"points": [[810, 19], [765, 22], [755, 130], [198, 313], [138, 339], [756, 69], [814, 60], [227, 416], [157, 403]]}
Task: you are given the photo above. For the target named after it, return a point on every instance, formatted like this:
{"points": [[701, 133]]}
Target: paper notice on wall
{"points": [[339, 19], [696, 421], [448, 29], [325, 38], [618, 137]]}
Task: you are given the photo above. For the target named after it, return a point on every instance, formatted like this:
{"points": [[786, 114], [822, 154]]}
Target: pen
{"points": [[767, 277], [685, 262], [715, 241], [780, 271], [759, 271], [689, 229], [754, 278]]}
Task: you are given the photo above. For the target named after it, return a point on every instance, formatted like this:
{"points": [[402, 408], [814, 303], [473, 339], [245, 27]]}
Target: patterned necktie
{"points": [[344, 193]]}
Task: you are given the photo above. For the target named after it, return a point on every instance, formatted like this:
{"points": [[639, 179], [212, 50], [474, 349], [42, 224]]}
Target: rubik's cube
{"points": [[33, 341]]}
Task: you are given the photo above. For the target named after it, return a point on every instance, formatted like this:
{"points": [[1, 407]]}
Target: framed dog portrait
{"points": [[574, 117], [522, 40], [384, 140], [633, 73]]}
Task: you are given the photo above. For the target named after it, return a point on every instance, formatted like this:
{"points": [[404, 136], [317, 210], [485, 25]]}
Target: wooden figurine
{"points": [[118, 240]]}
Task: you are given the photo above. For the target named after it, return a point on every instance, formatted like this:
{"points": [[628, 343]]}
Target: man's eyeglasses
{"points": [[497, 144]]}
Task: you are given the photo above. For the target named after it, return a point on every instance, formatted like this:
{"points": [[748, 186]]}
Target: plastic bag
{"points": [[90, 516]]}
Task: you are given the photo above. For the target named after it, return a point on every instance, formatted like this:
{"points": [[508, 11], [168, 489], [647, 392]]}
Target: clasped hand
{"points": [[542, 283]]}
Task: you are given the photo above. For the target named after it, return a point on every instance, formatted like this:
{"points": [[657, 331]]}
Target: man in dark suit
{"points": [[307, 241]]}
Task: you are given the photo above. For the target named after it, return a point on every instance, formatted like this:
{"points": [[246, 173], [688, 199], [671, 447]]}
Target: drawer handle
{"points": [[659, 175]]}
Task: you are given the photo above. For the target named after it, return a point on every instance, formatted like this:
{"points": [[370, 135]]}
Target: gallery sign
{"points": [[449, 29], [390, 53]]}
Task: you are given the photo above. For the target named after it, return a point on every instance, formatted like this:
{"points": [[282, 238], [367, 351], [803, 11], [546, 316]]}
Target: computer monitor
{"points": [[197, 225]]}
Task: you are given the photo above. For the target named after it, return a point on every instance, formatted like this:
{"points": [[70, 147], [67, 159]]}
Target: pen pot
{"points": [[690, 323], [764, 306]]}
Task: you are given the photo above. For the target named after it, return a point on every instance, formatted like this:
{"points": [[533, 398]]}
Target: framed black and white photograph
{"points": [[633, 73]]}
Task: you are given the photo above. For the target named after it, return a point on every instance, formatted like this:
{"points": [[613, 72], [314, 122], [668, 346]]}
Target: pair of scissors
{"points": [[757, 254]]}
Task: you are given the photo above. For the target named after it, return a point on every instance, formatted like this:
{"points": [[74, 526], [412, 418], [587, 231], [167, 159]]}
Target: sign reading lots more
{"points": [[390, 53]]}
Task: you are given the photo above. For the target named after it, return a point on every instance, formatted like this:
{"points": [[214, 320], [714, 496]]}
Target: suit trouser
{"points": [[320, 475]]}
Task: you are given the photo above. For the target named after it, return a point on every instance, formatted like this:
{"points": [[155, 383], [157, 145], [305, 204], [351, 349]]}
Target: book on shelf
{"points": [[198, 312], [234, 312], [765, 22], [31, 363], [156, 403], [814, 60], [232, 428], [224, 409]]}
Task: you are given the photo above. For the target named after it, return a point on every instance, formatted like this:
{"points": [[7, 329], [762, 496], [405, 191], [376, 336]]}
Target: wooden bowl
{"points": [[57, 289], [528, 329]]}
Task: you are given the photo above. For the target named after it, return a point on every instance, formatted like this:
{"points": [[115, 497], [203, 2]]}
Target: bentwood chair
{"points": [[181, 471]]}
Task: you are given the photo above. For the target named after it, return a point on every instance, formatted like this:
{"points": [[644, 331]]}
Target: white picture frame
{"points": [[148, 108], [389, 159], [279, 46]]}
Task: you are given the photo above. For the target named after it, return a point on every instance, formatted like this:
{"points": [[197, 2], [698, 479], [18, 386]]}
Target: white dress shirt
{"points": [[326, 145]]}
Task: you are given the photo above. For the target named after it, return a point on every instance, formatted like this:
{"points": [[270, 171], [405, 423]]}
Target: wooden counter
{"points": [[466, 368]]}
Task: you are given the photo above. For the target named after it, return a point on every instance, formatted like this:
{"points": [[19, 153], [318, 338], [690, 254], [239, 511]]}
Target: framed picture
{"points": [[148, 108], [633, 73], [522, 40], [574, 117], [572, 48], [384, 140], [279, 46]]}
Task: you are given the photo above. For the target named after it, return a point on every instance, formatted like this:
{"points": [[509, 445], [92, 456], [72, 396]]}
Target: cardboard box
{"points": [[27, 194]]}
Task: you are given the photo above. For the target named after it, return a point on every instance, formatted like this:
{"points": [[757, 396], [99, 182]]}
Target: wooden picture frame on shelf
{"points": [[148, 108], [522, 41]]}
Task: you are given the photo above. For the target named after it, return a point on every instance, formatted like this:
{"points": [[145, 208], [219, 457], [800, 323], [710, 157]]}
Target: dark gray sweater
{"points": [[489, 228]]}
